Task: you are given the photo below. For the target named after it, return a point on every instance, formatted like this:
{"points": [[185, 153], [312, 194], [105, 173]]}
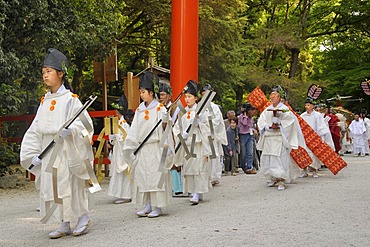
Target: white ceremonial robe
{"points": [[196, 170], [120, 182], [358, 130], [145, 166], [220, 139], [177, 177], [367, 134], [71, 172], [317, 123], [277, 144], [342, 125]]}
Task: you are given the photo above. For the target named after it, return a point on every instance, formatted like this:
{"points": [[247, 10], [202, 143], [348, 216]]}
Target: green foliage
{"points": [[8, 157], [343, 63], [12, 99], [145, 32], [242, 44], [84, 30], [228, 101], [221, 48]]}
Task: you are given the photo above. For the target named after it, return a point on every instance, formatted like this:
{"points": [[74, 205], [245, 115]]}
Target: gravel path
{"points": [[241, 211]]}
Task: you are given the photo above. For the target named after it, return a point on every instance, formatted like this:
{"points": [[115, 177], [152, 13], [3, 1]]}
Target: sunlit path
{"points": [[327, 211]]}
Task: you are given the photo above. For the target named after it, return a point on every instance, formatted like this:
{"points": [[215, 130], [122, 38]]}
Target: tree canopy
{"points": [[242, 44]]}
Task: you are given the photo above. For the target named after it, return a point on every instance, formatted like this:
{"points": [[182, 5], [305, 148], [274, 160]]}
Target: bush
{"points": [[8, 157]]}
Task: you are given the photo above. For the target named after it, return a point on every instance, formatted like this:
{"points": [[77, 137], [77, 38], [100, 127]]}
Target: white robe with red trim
{"points": [[196, 170], [120, 182], [54, 110], [146, 163]]}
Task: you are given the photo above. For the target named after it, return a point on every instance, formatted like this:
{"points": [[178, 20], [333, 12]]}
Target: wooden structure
{"points": [[131, 83], [105, 72]]}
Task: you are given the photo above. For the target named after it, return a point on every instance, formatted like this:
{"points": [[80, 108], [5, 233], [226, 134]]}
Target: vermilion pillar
{"points": [[184, 43]]}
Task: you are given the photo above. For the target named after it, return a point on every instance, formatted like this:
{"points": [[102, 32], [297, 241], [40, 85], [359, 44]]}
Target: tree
{"points": [[82, 29], [145, 33], [343, 64], [221, 48], [283, 36]]}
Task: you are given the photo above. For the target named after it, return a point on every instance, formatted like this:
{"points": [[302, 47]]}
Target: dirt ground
{"points": [[240, 211]]}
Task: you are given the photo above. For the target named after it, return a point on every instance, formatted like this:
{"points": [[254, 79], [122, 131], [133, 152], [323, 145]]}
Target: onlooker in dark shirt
{"points": [[232, 149]]}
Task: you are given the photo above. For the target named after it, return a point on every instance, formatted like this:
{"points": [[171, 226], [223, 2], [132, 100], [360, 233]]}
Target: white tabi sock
{"points": [[195, 196], [65, 226], [155, 213], [62, 231], [82, 221]]}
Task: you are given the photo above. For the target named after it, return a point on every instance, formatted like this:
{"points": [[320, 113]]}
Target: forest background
{"points": [[242, 44]]}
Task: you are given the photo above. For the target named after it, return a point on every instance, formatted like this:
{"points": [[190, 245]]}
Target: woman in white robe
{"points": [[72, 152], [220, 139], [196, 169], [120, 182], [367, 133], [146, 162]]}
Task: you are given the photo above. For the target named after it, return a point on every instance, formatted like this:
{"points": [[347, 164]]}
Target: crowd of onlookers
{"points": [[241, 135], [351, 136]]}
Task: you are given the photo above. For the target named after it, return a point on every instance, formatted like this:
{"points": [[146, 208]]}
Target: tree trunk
{"points": [[77, 75], [294, 62], [239, 96]]}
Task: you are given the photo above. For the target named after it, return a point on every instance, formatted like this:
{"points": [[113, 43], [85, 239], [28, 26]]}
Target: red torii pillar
{"points": [[184, 43]]}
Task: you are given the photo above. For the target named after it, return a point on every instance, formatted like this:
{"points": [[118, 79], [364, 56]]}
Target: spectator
{"points": [[246, 135], [233, 148], [230, 115]]}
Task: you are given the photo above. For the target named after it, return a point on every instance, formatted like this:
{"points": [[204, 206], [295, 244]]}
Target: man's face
{"points": [[164, 98], [231, 115], [275, 98], [309, 107], [357, 117], [254, 111]]}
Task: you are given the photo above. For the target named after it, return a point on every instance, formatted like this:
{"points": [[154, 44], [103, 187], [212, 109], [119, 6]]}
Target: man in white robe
{"points": [[317, 123], [219, 138], [358, 130], [278, 137], [165, 94]]}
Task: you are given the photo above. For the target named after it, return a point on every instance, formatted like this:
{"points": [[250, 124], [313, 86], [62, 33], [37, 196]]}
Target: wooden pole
{"points": [[130, 91], [105, 95]]}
